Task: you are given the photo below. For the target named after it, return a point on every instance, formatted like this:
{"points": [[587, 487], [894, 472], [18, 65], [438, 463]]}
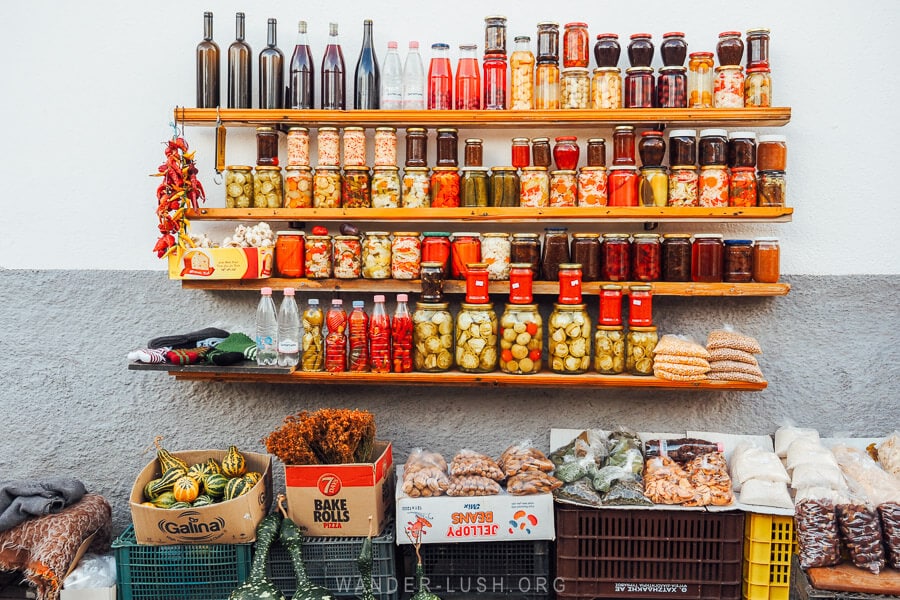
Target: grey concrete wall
{"points": [[69, 405]]}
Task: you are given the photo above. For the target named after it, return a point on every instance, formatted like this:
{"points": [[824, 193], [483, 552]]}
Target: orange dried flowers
{"points": [[326, 436]]}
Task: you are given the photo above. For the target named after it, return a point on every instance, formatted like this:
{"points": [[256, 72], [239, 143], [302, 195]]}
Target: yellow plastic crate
{"points": [[769, 543]]}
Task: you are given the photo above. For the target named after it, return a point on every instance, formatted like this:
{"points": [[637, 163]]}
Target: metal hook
{"points": [[218, 117]]}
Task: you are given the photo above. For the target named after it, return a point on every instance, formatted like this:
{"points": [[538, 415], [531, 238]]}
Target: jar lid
{"points": [[376, 234], [639, 70], [607, 70], [562, 172], [759, 69], [495, 18], [436, 233], [581, 236], [353, 128], [721, 68], [772, 138], [623, 168], [346, 237], [673, 34], [495, 234], [591, 169], [614, 36], [432, 305], [385, 168], [311, 238], [520, 266], [596, 141], [264, 130], [735, 135], [608, 236], [415, 169], [298, 129], [534, 169], [386, 129], [569, 266], [773, 240], [758, 30], [481, 306], [700, 55], [575, 71], [646, 236], [576, 24], [708, 236], [653, 169], [640, 288], [414, 234], [239, 168], [356, 168], [440, 46], [683, 133], [610, 327], [447, 130], [520, 140], [713, 167], [738, 242], [569, 307], [327, 129], [522, 38], [468, 46], [566, 138], [268, 168], [743, 169], [477, 265], [334, 168], [527, 236], [432, 265], [504, 169], [624, 128], [684, 167], [358, 303], [772, 173], [649, 133], [540, 140], [300, 168], [676, 236], [458, 234], [641, 36], [649, 329], [730, 34], [474, 140], [415, 130], [548, 24], [474, 170], [444, 169], [290, 232], [672, 69]]}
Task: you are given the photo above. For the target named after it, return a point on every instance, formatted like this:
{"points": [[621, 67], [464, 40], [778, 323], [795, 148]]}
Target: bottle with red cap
{"points": [[380, 338]]}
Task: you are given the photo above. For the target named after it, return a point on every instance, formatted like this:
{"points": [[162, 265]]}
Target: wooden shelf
{"points": [[546, 379], [642, 214], [468, 119], [452, 286]]}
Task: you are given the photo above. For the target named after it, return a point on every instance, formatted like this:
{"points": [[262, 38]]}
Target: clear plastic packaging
{"points": [[469, 462], [522, 457], [787, 434], [472, 485], [861, 532], [818, 541], [425, 474]]}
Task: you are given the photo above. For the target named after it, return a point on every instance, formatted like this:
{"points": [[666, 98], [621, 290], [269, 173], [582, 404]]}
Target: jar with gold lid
{"points": [[521, 339], [432, 337], [476, 338], [569, 339]]}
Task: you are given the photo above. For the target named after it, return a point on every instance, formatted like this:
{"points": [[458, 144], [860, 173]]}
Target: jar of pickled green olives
{"points": [[569, 343], [609, 350], [432, 337], [267, 187], [238, 186], [640, 343], [521, 339], [476, 338]]}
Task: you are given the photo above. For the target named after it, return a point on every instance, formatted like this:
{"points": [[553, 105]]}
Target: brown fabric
{"points": [[43, 548]]}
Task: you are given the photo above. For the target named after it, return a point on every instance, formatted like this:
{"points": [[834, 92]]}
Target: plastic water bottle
{"points": [[266, 329], [288, 330], [392, 80], [413, 79]]}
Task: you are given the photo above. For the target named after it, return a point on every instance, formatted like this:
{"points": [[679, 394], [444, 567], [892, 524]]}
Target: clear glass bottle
{"points": [[266, 329], [207, 67], [334, 73], [569, 339], [521, 339], [402, 337], [476, 338], [303, 75], [271, 71], [468, 79], [367, 78], [413, 79], [440, 78], [432, 337], [288, 330], [521, 67], [392, 79], [240, 68], [312, 358]]}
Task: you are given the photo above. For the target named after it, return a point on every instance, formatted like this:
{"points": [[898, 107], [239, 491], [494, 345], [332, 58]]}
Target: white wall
{"points": [[90, 87]]}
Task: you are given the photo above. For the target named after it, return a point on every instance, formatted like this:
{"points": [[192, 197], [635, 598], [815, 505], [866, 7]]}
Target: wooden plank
{"points": [[848, 578], [244, 368]]}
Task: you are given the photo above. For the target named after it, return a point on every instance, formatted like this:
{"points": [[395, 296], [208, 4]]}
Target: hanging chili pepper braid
{"points": [[180, 188]]}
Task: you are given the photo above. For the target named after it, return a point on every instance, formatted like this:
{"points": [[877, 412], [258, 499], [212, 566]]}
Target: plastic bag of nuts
{"points": [[532, 482], [469, 462], [665, 482], [519, 458], [425, 474], [472, 485]]}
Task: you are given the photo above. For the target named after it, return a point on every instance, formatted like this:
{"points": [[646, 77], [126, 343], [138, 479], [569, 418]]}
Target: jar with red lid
{"points": [[566, 153], [707, 258], [640, 50], [742, 189], [563, 189], [477, 291], [346, 257], [622, 186], [684, 186], [757, 47], [623, 145], [521, 277], [575, 45], [436, 248], [738, 266], [728, 89], [730, 48], [671, 87], [651, 148], [645, 257], [289, 253], [673, 49], [525, 248], [585, 250], [640, 306], [640, 87], [607, 50], [701, 78], [615, 257], [555, 252], [465, 248], [713, 188], [445, 192], [520, 152], [610, 305], [494, 82], [676, 257], [592, 186], [570, 283], [521, 339], [540, 152]]}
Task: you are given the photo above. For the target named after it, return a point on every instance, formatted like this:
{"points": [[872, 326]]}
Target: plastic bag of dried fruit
{"points": [[708, 473], [524, 457], [890, 524], [665, 482], [861, 531], [532, 482], [469, 462], [590, 443], [815, 518], [424, 474], [472, 485]]}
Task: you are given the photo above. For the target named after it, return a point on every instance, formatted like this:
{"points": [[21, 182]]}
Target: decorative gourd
{"points": [[214, 466], [202, 500], [149, 493], [165, 500], [252, 477], [200, 471], [257, 587], [186, 489], [215, 485], [234, 464], [180, 506], [166, 459], [148, 504], [292, 539], [236, 486], [365, 562], [166, 482]]}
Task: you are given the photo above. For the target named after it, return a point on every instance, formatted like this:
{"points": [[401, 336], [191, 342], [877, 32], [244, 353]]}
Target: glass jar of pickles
{"points": [[354, 147], [445, 192], [476, 338], [728, 89], [416, 191], [432, 337], [546, 87], [267, 187], [534, 187], [700, 80], [592, 186], [298, 147], [376, 255], [318, 256], [521, 339], [654, 186], [742, 189], [609, 349], [758, 88], [504, 189], [639, 345], [386, 187], [298, 187], [328, 144], [385, 147], [576, 45], [575, 88], [569, 339], [714, 185], [474, 187], [355, 190], [606, 88], [238, 186], [563, 186], [347, 257], [684, 186], [771, 188], [406, 254], [521, 75], [495, 252], [327, 187]]}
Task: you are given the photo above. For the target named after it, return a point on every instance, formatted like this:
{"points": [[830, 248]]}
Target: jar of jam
{"points": [[238, 186], [534, 187], [646, 257], [654, 186], [592, 187], [575, 45], [738, 261], [376, 255], [575, 88], [609, 349], [742, 189], [615, 257], [623, 146], [671, 87], [728, 89], [354, 147], [432, 337], [730, 48], [416, 191], [713, 148], [742, 149], [757, 47], [684, 186], [416, 147], [682, 147], [473, 152], [266, 147], [268, 188], [566, 153], [474, 187], [758, 88], [328, 146], [622, 186], [585, 250], [569, 330], [495, 251], [701, 78], [563, 189], [540, 152], [521, 339], [495, 35], [318, 257], [289, 253], [476, 338], [521, 75], [504, 186], [546, 86], [494, 82], [298, 187], [386, 187], [447, 147], [714, 183], [385, 147], [445, 191], [640, 88], [676, 257], [327, 187], [298, 147], [673, 49], [607, 50], [555, 252], [570, 283], [346, 257], [520, 152], [652, 148], [406, 254], [477, 283], [640, 306], [707, 258], [640, 50], [771, 188], [465, 248], [766, 260], [596, 152], [436, 249], [771, 153], [639, 345], [606, 88], [432, 275], [521, 277], [610, 305], [355, 188], [548, 42], [525, 248]]}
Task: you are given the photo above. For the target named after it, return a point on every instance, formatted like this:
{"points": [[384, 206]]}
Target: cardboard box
{"points": [[500, 518], [221, 263], [336, 500], [230, 522], [88, 594]]}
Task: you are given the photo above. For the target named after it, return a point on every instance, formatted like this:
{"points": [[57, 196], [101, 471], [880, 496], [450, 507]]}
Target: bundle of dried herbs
{"points": [[325, 437]]}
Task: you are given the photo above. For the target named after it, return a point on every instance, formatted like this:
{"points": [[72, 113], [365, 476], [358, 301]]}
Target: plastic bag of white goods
{"points": [[805, 450], [765, 493], [788, 434]]}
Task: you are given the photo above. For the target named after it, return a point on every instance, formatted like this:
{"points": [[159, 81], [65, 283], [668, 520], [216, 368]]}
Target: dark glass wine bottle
{"points": [[207, 67], [334, 75], [240, 68], [367, 90], [303, 74], [271, 71]]}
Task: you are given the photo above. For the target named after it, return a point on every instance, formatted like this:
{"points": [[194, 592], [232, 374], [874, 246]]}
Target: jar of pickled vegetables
{"points": [[639, 345], [640, 87], [474, 187], [592, 186], [570, 283], [495, 251], [611, 305], [554, 252], [534, 187], [728, 89], [354, 147], [432, 275], [671, 87], [318, 256], [406, 254], [238, 186], [742, 189], [436, 248], [416, 147], [576, 45], [758, 88], [766, 260], [476, 338], [585, 250], [465, 248], [684, 186], [402, 337], [312, 358], [445, 191], [606, 88], [714, 184], [615, 257], [701, 77], [707, 258], [347, 257], [385, 147], [521, 75], [355, 190], [358, 338], [521, 339], [575, 88], [298, 147], [386, 187], [738, 261], [289, 253], [267, 187], [654, 186], [328, 144], [622, 186], [546, 87], [376, 255], [416, 191], [298, 187], [525, 248], [609, 349], [646, 257], [327, 187], [504, 186], [432, 337], [562, 188], [640, 306], [771, 188], [569, 343]]}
